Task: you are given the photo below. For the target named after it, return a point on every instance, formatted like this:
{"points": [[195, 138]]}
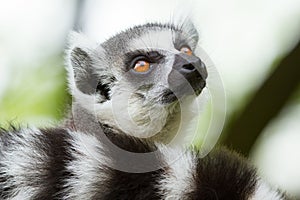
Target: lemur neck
{"points": [[181, 125], [171, 128], [79, 119], [175, 128]]}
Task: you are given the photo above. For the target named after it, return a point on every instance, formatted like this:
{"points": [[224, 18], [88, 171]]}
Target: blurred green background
{"points": [[254, 45]]}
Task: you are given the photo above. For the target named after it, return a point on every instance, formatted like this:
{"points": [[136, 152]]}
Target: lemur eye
{"points": [[186, 50], [141, 66]]}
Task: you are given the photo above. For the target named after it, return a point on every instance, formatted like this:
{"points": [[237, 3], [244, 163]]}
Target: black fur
{"points": [[224, 175], [128, 143], [105, 88], [221, 175], [4, 190], [55, 143], [135, 186]]}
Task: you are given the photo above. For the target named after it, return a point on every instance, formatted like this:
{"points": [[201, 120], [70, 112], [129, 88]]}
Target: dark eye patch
{"points": [[150, 56]]}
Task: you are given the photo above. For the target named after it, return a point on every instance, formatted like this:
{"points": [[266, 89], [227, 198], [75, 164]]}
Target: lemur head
{"points": [[134, 81]]}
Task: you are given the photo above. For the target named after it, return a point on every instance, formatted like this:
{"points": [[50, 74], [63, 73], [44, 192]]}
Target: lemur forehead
{"points": [[144, 36], [163, 39]]}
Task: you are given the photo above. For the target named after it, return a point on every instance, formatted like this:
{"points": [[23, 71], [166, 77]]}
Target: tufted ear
{"points": [[80, 64], [86, 68], [85, 76], [185, 22], [190, 29]]}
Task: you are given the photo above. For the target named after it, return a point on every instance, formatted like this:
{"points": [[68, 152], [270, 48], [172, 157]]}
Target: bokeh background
{"points": [[254, 45]]}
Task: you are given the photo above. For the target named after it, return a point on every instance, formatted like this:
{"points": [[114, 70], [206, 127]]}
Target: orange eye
{"points": [[186, 50], [141, 66]]}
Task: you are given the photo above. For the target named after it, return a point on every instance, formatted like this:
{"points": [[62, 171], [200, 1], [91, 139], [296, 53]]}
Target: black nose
{"points": [[191, 67], [188, 72]]}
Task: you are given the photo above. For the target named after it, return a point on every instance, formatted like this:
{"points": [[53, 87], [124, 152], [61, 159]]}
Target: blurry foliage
{"points": [[25, 101], [273, 95], [296, 97]]}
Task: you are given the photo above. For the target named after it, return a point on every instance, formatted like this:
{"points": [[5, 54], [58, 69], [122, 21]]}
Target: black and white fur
{"points": [[63, 164], [73, 162]]}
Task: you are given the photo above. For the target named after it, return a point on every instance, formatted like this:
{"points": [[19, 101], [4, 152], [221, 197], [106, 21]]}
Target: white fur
{"points": [[23, 194], [265, 192], [178, 178], [19, 160], [86, 166], [155, 40], [135, 118], [191, 109]]}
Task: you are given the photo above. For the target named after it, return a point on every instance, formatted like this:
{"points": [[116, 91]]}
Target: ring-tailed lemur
{"points": [[144, 72], [132, 82]]}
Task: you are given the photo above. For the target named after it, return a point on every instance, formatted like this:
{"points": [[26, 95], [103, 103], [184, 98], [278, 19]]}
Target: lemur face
{"points": [[158, 66], [140, 74]]}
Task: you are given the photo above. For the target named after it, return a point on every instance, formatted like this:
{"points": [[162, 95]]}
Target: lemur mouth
{"points": [[170, 96]]}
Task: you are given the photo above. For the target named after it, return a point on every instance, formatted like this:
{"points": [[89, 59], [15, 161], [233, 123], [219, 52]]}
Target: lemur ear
{"points": [[188, 27], [81, 72], [191, 29]]}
